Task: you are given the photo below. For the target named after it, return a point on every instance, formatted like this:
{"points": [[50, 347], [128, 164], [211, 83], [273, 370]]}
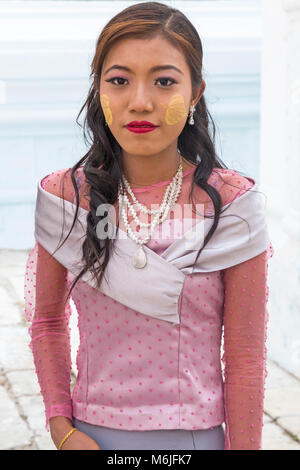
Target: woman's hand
{"points": [[59, 428]]}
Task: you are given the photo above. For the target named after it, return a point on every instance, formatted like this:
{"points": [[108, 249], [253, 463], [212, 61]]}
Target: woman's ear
{"points": [[199, 92]]}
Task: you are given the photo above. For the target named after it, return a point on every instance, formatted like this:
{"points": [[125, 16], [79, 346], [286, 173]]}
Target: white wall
{"points": [[279, 173]]}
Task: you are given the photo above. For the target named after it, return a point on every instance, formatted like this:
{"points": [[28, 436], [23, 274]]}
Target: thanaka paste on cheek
{"points": [[104, 99], [176, 110]]}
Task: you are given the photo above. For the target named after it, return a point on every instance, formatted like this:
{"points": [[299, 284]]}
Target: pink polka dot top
{"points": [[140, 372]]}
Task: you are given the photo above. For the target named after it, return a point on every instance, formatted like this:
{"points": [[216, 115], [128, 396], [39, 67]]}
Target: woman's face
{"points": [[136, 92]]}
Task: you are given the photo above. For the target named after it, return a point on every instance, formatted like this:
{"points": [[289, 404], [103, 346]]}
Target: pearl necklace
{"points": [[160, 214]]}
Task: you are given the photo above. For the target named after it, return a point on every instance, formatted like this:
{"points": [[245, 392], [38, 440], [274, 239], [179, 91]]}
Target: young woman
{"points": [[151, 299]]}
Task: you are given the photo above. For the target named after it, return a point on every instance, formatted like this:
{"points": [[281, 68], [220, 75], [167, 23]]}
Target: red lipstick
{"points": [[140, 127]]}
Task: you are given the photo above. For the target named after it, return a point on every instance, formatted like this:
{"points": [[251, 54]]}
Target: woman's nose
{"points": [[140, 99]]}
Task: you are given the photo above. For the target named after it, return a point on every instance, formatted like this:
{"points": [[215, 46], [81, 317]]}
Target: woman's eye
{"points": [[115, 78], [164, 79]]}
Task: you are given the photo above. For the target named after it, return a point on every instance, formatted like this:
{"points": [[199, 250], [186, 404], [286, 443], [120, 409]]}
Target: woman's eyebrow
{"points": [[153, 69]]}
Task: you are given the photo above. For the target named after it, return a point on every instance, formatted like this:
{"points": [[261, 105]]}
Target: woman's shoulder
{"points": [[230, 183], [59, 183]]}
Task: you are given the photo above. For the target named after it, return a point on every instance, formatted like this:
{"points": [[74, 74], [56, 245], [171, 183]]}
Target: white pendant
{"points": [[139, 259]]}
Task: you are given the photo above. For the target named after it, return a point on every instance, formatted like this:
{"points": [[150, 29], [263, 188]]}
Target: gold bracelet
{"points": [[66, 437]]}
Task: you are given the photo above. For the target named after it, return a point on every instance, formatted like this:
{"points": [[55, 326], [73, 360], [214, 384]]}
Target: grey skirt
{"points": [[180, 439]]}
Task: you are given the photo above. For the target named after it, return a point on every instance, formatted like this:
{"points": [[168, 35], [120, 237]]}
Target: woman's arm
{"points": [[45, 291], [244, 358], [46, 288]]}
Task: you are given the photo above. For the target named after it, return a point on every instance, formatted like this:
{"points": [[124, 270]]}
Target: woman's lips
{"points": [[140, 129]]}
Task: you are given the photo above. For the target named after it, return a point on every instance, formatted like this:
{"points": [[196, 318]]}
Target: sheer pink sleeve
{"points": [[244, 357], [45, 291]]}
